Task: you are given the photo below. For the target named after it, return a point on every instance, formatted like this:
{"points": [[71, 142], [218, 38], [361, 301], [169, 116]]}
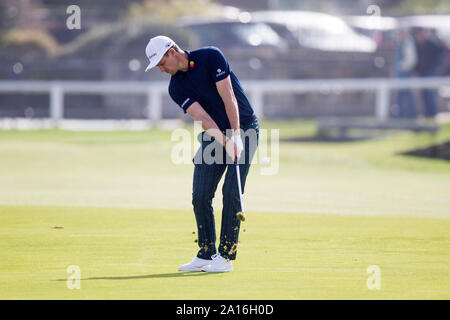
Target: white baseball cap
{"points": [[156, 48]]}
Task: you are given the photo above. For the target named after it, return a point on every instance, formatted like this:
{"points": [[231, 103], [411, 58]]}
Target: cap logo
{"points": [[152, 56]]}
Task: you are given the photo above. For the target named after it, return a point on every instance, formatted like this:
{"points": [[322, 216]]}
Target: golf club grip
{"points": [[238, 175]]}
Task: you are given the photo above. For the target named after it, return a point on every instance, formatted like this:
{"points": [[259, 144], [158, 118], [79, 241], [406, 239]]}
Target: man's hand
{"points": [[239, 146], [234, 147]]}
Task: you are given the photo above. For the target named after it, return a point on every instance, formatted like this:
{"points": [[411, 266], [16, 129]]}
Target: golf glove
{"points": [[239, 146]]}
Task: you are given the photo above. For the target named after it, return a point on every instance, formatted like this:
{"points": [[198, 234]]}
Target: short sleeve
{"points": [[218, 67], [180, 97]]}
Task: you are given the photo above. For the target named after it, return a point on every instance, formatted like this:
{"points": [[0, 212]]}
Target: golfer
{"points": [[204, 86]]}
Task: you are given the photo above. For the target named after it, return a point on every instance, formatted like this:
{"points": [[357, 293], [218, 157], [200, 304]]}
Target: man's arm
{"points": [[197, 112], [225, 89]]}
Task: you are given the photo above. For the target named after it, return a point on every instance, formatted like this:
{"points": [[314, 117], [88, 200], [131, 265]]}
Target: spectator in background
{"points": [[405, 61], [431, 54]]}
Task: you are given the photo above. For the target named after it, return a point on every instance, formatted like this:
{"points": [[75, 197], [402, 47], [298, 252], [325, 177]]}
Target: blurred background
{"points": [[297, 44]]}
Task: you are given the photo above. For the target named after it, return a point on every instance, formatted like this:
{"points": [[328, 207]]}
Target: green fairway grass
{"points": [[134, 254], [312, 229], [134, 169]]}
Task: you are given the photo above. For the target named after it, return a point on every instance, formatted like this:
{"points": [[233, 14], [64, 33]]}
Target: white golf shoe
{"points": [[195, 265], [218, 264]]}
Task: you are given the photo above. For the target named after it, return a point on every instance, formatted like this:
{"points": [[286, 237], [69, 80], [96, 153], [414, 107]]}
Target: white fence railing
{"points": [[256, 90]]}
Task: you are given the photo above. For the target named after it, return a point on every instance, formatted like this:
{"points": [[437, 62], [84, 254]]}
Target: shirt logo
{"points": [[191, 64], [219, 72]]}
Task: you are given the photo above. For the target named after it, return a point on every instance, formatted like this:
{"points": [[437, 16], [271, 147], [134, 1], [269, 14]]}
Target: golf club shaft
{"points": [[238, 175]]}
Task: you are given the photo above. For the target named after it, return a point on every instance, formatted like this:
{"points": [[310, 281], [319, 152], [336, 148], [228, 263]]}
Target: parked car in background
{"points": [[278, 46], [318, 31], [236, 36], [382, 30]]}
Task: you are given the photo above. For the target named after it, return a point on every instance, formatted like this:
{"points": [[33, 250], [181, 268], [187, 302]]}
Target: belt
{"points": [[253, 118]]}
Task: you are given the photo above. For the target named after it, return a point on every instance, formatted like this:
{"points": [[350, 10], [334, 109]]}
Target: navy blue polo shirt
{"points": [[206, 66]]}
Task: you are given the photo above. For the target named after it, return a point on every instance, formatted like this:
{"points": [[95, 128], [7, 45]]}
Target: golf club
{"points": [[240, 214]]}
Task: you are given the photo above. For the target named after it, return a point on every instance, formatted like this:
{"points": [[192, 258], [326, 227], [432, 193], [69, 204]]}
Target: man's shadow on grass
{"points": [[153, 276], [150, 276]]}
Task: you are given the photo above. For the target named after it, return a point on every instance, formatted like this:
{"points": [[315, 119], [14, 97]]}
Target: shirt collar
{"points": [[191, 63]]}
